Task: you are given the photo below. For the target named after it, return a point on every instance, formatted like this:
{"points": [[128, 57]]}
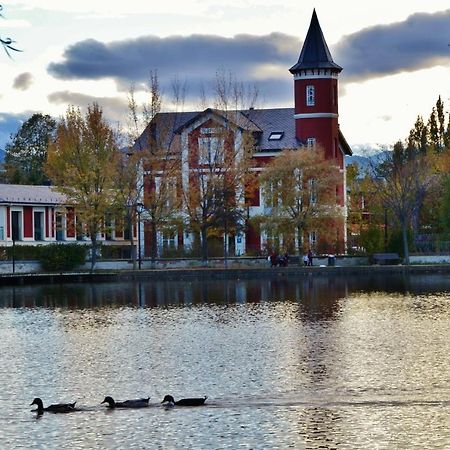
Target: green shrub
{"points": [[59, 257], [20, 252]]}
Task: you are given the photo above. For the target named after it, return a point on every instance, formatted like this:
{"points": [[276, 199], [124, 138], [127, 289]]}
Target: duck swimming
{"points": [[57, 408], [169, 401], [136, 403]]}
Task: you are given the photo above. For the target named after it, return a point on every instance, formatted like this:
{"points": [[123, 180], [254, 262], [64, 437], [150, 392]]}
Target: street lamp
{"points": [[139, 210]]}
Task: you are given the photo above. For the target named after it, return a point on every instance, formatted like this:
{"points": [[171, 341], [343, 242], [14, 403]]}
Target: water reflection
{"points": [[327, 362]]}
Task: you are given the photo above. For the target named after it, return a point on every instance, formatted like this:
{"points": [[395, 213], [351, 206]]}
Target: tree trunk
{"points": [[204, 232], [154, 243], [93, 250], [405, 243], [299, 241], [225, 244], [132, 244]]}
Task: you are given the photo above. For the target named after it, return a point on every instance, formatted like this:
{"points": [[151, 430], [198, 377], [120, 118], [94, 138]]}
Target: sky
{"points": [[395, 57]]}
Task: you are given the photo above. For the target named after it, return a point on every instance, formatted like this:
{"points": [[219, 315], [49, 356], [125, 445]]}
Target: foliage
{"points": [[82, 163], [20, 252], [220, 179], [26, 154], [445, 206], [155, 154], [372, 239], [300, 189], [396, 245], [402, 180], [59, 257]]}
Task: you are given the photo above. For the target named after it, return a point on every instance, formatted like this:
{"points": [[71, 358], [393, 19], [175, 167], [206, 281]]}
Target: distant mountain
{"points": [[365, 162], [362, 161]]}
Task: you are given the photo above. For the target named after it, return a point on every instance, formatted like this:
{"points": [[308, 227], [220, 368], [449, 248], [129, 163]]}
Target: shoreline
{"points": [[206, 273]]}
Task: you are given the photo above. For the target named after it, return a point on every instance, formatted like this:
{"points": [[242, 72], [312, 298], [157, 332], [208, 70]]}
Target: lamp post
{"points": [[14, 255], [139, 209]]}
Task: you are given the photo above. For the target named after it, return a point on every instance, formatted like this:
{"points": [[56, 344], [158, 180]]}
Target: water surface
{"points": [[316, 362]]}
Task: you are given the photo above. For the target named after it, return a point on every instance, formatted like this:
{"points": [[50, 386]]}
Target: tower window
{"points": [[310, 95], [311, 142], [276, 135]]}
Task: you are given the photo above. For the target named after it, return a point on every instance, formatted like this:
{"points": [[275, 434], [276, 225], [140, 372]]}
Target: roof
{"points": [[20, 193], [261, 122], [315, 53]]}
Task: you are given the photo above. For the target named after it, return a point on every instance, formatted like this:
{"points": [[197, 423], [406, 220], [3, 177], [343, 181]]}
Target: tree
{"points": [[156, 151], [300, 190], [402, 179], [26, 154], [82, 163], [7, 43], [220, 179], [366, 217]]}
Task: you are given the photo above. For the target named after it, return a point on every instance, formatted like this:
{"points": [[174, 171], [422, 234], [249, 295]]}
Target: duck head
{"points": [[110, 401], [169, 399], [38, 402]]}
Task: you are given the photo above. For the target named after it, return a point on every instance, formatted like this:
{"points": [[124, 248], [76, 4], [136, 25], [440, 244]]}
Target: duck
{"points": [[136, 403], [169, 401], [57, 408]]}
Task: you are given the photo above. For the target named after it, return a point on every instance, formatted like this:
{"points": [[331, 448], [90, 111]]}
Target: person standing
{"points": [[310, 258]]}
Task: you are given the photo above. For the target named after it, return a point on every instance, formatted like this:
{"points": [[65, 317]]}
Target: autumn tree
{"points": [[299, 187], [403, 178], [157, 151], [27, 152], [216, 191], [82, 163], [366, 218]]}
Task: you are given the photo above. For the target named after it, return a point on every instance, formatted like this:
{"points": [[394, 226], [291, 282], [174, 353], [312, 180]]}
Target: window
{"points": [[166, 190], [38, 226], [210, 150], [312, 191], [169, 240], [16, 225], [276, 135], [311, 142], [271, 194], [310, 95], [312, 239]]}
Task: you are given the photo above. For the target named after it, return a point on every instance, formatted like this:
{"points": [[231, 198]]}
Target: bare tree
{"points": [[403, 178], [219, 178], [156, 150]]}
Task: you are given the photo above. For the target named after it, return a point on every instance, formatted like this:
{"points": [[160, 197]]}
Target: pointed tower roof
{"points": [[315, 53]]}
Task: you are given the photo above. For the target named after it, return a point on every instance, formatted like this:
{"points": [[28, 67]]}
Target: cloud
{"points": [[418, 42], [195, 58], [23, 81], [115, 108]]}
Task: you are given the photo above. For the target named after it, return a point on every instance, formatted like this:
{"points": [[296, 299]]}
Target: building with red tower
{"points": [[194, 137]]}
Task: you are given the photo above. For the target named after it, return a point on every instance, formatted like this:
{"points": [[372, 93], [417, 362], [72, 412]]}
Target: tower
{"points": [[316, 93]]}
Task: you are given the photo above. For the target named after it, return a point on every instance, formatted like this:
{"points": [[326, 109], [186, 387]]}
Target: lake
{"points": [[313, 362]]}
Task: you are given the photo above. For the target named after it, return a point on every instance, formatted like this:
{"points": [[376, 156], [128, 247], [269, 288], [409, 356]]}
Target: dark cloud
{"points": [[23, 81], [194, 58], [418, 42], [115, 108]]}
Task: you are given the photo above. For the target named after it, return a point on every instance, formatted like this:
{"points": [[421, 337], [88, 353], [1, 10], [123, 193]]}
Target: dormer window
{"points": [[276, 135], [310, 95]]}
